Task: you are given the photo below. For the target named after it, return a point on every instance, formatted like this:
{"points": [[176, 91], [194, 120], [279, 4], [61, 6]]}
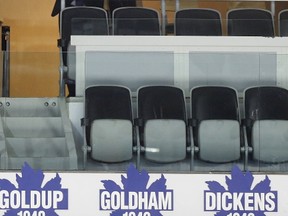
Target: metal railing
{"points": [[6, 61]]}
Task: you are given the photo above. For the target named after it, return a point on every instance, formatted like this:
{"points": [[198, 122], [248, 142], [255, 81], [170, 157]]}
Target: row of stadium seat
{"points": [[145, 21], [193, 21], [162, 132]]}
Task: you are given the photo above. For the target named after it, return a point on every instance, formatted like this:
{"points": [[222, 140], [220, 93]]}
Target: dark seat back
{"points": [[135, 21], [79, 21], [161, 102], [283, 23], [266, 103], [212, 103], [216, 125], [197, 21], [250, 22], [266, 114], [107, 102]]}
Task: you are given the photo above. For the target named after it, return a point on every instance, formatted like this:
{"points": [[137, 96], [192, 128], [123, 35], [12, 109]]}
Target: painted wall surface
{"points": [[34, 52]]}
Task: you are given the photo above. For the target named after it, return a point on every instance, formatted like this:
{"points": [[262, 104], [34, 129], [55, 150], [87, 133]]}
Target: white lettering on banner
{"points": [[249, 201], [34, 213], [136, 200], [30, 199]]}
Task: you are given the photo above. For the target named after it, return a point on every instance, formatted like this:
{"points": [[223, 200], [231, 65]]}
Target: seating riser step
{"points": [[37, 147], [30, 107], [33, 127], [40, 163]]}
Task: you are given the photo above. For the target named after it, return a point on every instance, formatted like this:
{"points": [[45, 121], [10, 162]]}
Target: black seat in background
{"points": [[250, 22], [135, 21], [198, 21], [283, 23], [79, 21]]}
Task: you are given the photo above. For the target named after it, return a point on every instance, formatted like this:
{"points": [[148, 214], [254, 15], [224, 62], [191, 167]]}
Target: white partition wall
{"points": [[237, 69], [131, 69], [184, 61]]}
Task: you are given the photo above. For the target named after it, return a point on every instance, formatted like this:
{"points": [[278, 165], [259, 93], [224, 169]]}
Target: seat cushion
{"points": [[219, 140], [270, 140], [111, 140], [165, 140]]}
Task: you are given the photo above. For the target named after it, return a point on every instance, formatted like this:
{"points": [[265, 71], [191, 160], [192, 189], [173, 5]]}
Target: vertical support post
{"points": [[62, 91], [6, 61], [177, 5], [62, 4], [164, 17], [61, 68], [273, 8]]}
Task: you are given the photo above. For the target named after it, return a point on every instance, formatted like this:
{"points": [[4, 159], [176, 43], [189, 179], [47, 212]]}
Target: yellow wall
{"points": [[34, 52]]}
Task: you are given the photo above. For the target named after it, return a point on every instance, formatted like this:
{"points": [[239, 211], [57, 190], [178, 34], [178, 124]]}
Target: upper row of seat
{"points": [[144, 21], [162, 125], [196, 21]]}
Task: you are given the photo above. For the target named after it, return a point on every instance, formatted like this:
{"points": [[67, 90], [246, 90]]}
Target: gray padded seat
{"points": [[215, 122], [162, 113], [266, 118], [108, 123]]}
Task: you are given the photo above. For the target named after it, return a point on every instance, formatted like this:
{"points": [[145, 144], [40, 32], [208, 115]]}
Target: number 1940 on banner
{"points": [[34, 213], [137, 214], [238, 214]]}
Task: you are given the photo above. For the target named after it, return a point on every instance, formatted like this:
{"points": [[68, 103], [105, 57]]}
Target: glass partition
{"points": [[51, 132], [34, 74], [46, 132], [237, 71], [1, 72]]}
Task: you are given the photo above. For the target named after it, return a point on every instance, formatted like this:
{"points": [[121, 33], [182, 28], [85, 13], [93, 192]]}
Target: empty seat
{"points": [[266, 121], [216, 124], [108, 123], [197, 21], [162, 123], [250, 22], [78, 21], [135, 21], [283, 23]]}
